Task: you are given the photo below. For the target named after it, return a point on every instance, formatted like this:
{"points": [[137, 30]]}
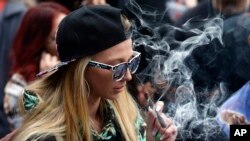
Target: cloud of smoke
{"points": [[170, 74]]}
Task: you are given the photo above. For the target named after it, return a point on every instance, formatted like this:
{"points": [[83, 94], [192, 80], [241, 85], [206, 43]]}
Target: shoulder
{"points": [[15, 85]]}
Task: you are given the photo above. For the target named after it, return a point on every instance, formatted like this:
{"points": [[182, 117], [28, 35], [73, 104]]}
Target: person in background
{"points": [[10, 18], [177, 8], [85, 97], [69, 4], [2, 4], [233, 112], [212, 8], [214, 64], [34, 49], [75, 4], [237, 44], [115, 3]]}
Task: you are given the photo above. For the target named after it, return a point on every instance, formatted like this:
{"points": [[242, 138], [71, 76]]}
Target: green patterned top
{"points": [[111, 130]]}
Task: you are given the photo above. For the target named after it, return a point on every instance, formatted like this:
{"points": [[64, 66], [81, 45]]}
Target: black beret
{"points": [[89, 30]]}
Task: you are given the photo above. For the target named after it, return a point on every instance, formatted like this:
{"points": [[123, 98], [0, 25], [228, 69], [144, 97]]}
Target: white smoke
{"points": [[168, 72]]}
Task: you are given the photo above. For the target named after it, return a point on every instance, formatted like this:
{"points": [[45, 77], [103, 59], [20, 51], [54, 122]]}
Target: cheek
{"points": [[100, 81]]}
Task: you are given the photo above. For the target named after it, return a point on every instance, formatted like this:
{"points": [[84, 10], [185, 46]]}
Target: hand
{"points": [[94, 2], [233, 118], [47, 61], [155, 132], [9, 136]]}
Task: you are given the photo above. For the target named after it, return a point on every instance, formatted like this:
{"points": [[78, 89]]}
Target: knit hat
{"points": [[87, 31]]}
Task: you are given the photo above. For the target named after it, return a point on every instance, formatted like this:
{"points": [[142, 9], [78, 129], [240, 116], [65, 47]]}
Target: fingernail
{"points": [[158, 108], [154, 131], [162, 137], [150, 109]]}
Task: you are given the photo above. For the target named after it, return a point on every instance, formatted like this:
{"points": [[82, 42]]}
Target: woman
{"points": [[34, 49], [86, 98]]}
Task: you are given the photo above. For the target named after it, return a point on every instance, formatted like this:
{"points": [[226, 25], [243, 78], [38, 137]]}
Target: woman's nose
{"points": [[127, 76]]}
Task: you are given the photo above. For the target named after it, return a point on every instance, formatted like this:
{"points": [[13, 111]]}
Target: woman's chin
{"points": [[115, 94]]}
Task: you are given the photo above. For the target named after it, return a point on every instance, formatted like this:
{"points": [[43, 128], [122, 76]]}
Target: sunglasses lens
{"points": [[119, 72], [134, 64]]}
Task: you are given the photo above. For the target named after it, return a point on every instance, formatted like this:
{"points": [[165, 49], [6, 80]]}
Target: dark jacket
{"points": [[9, 22], [203, 10]]}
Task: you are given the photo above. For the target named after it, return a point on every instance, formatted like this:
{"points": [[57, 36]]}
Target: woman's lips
{"points": [[119, 89]]}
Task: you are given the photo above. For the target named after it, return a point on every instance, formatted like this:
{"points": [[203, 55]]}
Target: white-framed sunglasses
{"points": [[119, 70]]}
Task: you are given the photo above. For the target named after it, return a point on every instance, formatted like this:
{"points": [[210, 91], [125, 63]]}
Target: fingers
{"points": [[166, 134], [232, 117], [151, 118], [151, 130], [169, 134], [158, 132], [159, 106], [166, 120]]}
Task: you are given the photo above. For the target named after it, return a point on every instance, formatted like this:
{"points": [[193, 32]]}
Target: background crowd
{"points": [[216, 63]]}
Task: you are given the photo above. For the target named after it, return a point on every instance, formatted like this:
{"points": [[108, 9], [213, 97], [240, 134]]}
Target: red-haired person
{"points": [[2, 4], [34, 49]]}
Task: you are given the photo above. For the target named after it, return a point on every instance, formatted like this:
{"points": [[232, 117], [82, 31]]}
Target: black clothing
{"points": [[203, 10]]}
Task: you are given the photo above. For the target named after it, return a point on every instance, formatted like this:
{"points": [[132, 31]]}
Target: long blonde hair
{"points": [[63, 110]]}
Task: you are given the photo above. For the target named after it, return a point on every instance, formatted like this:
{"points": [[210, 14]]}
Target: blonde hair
{"points": [[63, 109], [126, 23]]}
